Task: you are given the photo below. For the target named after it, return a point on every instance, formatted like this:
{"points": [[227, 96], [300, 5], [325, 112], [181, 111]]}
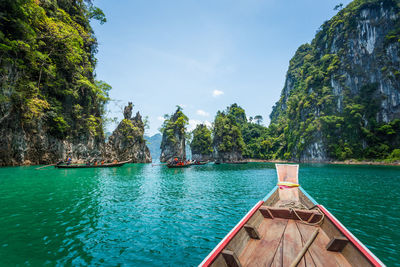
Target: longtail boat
{"points": [[200, 163], [289, 228], [75, 166], [183, 165]]}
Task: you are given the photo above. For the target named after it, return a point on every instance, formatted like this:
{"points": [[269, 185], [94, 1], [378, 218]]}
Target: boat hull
{"points": [[89, 166], [272, 234]]}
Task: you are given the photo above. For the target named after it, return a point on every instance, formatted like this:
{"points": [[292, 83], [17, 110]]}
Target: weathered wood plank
{"points": [[278, 258], [286, 213], [261, 252], [292, 244], [252, 231], [265, 212], [320, 255], [337, 243], [289, 194]]}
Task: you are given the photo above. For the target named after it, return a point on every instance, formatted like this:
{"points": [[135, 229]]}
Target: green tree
{"points": [[258, 119], [202, 141], [227, 134]]}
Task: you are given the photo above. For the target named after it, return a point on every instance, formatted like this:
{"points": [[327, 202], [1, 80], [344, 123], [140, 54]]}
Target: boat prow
{"points": [[289, 228]]}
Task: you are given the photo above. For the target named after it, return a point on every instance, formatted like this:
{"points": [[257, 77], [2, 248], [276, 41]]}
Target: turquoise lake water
{"points": [[139, 215]]}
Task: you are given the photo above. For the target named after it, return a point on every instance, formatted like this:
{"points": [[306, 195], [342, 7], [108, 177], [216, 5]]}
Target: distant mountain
{"points": [[154, 143]]}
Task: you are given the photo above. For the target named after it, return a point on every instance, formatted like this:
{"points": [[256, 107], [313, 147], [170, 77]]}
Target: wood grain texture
{"points": [[320, 255], [337, 243], [262, 252], [230, 258], [292, 244]]}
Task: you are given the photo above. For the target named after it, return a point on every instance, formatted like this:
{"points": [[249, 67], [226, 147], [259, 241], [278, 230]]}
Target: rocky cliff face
{"points": [[341, 89], [173, 142], [127, 141], [50, 104], [21, 147]]}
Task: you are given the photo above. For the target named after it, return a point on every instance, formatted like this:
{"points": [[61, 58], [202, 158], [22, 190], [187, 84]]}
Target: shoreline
{"points": [[346, 162]]}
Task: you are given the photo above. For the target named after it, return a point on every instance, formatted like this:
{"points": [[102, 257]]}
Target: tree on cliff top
{"points": [[174, 133], [202, 141], [227, 134]]}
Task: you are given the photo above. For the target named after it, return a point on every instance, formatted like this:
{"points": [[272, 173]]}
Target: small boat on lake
{"points": [[200, 162], [179, 165], [289, 228], [81, 166]]}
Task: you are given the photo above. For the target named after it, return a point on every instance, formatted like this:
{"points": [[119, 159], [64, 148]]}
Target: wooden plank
{"points": [[286, 213], [252, 231], [300, 256], [289, 194], [287, 172], [308, 260], [292, 244], [230, 258], [278, 258], [337, 243], [238, 242], [262, 252], [265, 212], [282, 213], [320, 255]]}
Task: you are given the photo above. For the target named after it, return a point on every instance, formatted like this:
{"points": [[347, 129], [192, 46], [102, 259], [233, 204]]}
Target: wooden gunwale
{"points": [[217, 250], [360, 246]]}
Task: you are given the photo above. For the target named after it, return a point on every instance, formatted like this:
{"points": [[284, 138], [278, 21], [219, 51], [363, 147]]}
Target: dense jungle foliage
{"points": [[47, 61], [227, 136], [201, 140], [174, 127], [253, 139]]}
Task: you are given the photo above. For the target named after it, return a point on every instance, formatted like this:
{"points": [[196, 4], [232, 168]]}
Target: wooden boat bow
{"points": [[289, 228]]}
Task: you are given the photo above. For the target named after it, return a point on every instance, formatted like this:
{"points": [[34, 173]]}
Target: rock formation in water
{"points": [[341, 97], [228, 144], [50, 104], [127, 141], [173, 140], [201, 145]]}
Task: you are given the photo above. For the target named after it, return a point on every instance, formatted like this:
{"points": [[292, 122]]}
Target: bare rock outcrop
{"points": [[127, 141]]}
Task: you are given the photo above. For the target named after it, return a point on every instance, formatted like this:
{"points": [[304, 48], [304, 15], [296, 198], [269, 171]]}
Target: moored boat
{"points": [[289, 228], [183, 165], [200, 162], [79, 166]]}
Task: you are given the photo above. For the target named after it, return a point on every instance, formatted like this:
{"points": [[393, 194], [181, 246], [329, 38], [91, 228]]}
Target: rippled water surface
{"points": [[152, 216]]}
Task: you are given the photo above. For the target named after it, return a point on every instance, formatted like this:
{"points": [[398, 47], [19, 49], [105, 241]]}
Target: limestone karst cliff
{"points": [[173, 142], [341, 97], [51, 105], [127, 141]]}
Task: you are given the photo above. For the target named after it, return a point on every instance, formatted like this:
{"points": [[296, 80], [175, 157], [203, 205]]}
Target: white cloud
{"points": [[217, 93], [202, 113], [193, 123], [160, 118], [208, 124]]}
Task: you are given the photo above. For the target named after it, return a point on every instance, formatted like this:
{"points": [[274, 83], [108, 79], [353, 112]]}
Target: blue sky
{"points": [[202, 55]]}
